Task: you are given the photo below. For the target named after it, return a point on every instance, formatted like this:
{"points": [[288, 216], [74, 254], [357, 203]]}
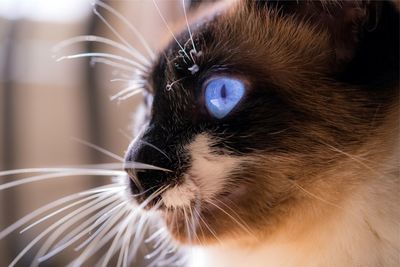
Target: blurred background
{"points": [[45, 104]]}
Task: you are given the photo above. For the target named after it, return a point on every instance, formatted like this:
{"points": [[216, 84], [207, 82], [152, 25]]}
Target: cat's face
{"points": [[249, 114]]}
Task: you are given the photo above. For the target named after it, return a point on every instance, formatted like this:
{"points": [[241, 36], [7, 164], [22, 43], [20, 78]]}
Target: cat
{"points": [[276, 124], [268, 136]]}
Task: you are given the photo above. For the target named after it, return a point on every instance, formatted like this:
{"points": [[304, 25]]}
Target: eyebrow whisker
{"points": [[169, 29], [128, 24], [188, 27]]}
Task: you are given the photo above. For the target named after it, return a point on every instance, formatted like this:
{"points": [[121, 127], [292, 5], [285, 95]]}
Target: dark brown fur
{"points": [[320, 114]]}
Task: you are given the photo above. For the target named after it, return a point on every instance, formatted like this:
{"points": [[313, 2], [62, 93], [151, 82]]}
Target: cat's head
{"points": [[261, 106]]}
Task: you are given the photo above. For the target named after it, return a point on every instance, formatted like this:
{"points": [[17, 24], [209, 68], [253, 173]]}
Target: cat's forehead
{"points": [[251, 41]]}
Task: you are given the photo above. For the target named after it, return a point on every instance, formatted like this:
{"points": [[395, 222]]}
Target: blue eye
{"points": [[222, 95]]}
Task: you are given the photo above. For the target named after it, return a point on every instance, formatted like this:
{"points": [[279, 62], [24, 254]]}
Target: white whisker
{"points": [[96, 195], [104, 55], [123, 255], [169, 29], [101, 238], [43, 253], [112, 63], [99, 167], [100, 149], [174, 260], [77, 233], [122, 227], [126, 96], [102, 218], [83, 172], [156, 148], [129, 25], [155, 235], [138, 235], [133, 88], [47, 207], [102, 18], [57, 224], [122, 80], [161, 248], [103, 40], [188, 27]]}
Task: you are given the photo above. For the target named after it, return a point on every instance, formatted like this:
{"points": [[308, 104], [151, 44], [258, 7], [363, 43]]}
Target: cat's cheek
{"points": [[207, 176]]}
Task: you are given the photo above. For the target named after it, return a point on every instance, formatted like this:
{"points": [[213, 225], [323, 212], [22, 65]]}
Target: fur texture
{"points": [[305, 170]]}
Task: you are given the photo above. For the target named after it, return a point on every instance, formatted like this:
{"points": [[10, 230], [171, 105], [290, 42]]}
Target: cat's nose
{"points": [[145, 182]]}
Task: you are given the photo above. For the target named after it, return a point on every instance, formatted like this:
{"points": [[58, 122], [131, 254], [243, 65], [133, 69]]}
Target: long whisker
{"points": [[127, 245], [112, 63], [99, 242], [169, 29], [122, 80], [101, 239], [188, 27], [140, 230], [61, 210], [123, 255], [104, 219], [155, 235], [88, 207], [156, 148], [104, 166], [129, 25], [49, 206], [134, 92], [104, 55], [41, 256], [100, 149], [122, 227], [133, 88], [78, 232], [103, 40], [82, 172], [122, 39]]}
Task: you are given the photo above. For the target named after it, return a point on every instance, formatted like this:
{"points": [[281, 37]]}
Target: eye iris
{"points": [[222, 95]]}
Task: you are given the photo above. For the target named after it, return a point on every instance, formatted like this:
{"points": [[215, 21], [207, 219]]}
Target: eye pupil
{"points": [[223, 91]]}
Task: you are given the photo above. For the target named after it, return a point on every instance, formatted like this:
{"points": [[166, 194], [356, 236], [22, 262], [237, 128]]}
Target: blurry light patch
{"points": [[45, 10]]}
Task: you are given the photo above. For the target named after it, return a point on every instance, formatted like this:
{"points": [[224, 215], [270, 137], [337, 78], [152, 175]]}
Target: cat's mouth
{"points": [[193, 211]]}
